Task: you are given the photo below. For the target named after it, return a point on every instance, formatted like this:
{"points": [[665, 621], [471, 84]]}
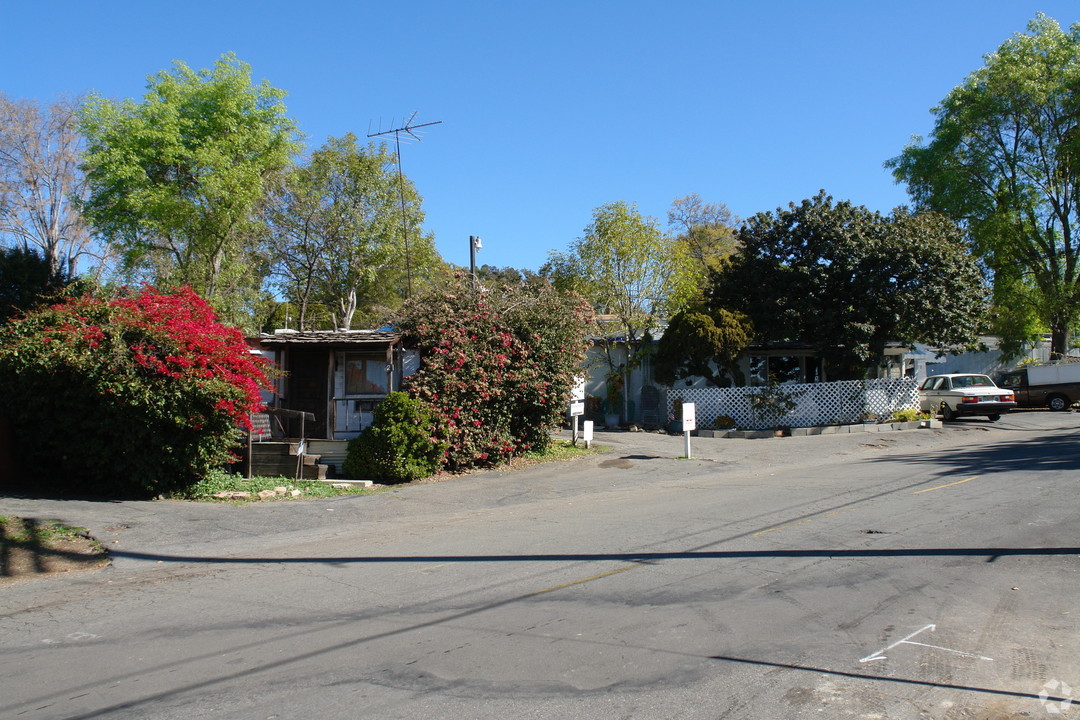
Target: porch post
{"points": [[331, 406], [390, 367]]}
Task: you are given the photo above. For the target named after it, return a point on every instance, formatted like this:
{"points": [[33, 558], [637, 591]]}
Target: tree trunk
{"points": [[1059, 339]]}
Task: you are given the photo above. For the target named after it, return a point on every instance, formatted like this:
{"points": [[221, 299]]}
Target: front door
{"points": [[307, 389]]}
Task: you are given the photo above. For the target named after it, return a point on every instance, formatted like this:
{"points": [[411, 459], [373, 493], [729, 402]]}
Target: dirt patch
{"points": [[34, 548]]}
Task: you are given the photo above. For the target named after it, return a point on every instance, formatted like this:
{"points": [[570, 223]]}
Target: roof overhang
{"points": [[366, 339]]}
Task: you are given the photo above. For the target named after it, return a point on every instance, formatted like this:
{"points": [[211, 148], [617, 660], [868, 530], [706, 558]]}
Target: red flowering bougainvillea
{"points": [[497, 367], [132, 396]]}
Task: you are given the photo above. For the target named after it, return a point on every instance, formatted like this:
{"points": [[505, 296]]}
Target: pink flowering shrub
{"points": [[133, 396], [496, 367]]}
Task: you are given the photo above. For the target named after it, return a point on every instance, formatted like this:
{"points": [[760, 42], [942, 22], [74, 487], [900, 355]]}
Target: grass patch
{"points": [[209, 488], [566, 451], [34, 547], [32, 530], [556, 452]]}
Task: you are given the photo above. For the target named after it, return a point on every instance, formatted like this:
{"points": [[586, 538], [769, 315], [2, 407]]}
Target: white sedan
{"points": [[964, 394]]}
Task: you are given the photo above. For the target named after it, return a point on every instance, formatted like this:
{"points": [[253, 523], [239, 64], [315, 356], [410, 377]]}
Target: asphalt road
{"points": [[917, 574]]}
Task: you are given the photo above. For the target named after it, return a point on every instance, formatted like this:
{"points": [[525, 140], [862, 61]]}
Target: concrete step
{"points": [[286, 467], [350, 483]]}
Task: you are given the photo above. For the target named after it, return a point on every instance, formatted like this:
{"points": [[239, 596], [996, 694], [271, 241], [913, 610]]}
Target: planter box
{"points": [[754, 434], [814, 430], [717, 433]]}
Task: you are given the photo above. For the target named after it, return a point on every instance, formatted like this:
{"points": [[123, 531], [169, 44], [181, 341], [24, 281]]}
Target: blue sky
{"points": [[550, 109]]}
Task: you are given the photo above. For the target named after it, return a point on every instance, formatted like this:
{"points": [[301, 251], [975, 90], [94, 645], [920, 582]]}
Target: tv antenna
{"points": [[409, 128]]}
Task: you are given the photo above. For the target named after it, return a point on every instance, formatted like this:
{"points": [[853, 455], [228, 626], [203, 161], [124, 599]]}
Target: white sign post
{"points": [[587, 433], [689, 422], [577, 406]]}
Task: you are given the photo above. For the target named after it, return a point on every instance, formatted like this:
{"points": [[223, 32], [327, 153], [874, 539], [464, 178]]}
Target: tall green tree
{"points": [[633, 274], [1004, 158], [336, 233], [175, 178], [847, 281], [626, 267]]}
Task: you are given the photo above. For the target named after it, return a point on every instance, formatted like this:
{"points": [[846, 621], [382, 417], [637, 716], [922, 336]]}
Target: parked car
{"points": [[964, 394], [1054, 386]]}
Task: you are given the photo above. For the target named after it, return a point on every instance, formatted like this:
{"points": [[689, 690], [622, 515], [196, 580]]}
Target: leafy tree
{"points": [[696, 339], [632, 273], [490, 276], [175, 179], [27, 280], [41, 183], [626, 267], [497, 368], [133, 396], [1004, 159], [847, 281], [703, 231], [336, 232]]}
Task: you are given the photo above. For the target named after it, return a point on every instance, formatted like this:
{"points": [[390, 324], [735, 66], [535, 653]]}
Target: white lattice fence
{"points": [[815, 403]]}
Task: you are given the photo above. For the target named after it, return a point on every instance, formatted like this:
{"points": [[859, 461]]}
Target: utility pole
{"points": [[408, 128], [474, 245]]}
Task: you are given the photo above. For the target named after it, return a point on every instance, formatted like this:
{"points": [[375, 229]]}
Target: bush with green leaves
{"points": [[134, 396], [496, 367], [26, 281], [400, 445]]}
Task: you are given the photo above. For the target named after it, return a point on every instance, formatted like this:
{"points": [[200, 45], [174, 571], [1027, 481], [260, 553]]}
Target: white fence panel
{"points": [[815, 403]]}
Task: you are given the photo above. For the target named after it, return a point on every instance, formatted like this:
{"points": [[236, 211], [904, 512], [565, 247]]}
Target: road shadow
{"points": [[1042, 453], [27, 548], [988, 553]]}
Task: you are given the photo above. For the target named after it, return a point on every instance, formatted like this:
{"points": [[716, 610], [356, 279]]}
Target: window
{"points": [[759, 370], [783, 369], [364, 375]]}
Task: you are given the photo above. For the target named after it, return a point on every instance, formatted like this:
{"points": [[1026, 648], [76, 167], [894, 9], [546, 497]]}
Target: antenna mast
{"points": [[407, 127]]}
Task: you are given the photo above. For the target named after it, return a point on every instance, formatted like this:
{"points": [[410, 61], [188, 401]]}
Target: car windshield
{"points": [[963, 381]]}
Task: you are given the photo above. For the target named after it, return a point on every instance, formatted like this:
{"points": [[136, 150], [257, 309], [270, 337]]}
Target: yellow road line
{"points": [[958, 482], [585, 580]]}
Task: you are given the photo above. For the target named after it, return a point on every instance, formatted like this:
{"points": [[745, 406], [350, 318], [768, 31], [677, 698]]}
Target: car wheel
{"points": [[993, 418], [1057, 402], [947, 413]]}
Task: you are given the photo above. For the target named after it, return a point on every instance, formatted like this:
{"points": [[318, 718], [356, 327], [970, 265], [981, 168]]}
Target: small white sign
{"points": [[689, 417], [586, 432], [577, 408], [578, 391]]}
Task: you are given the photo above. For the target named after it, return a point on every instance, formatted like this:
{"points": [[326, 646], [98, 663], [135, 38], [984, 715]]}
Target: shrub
{"points": [[134, 396], [723, 422], [400, 445], [496, 368], [906, 415]]}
